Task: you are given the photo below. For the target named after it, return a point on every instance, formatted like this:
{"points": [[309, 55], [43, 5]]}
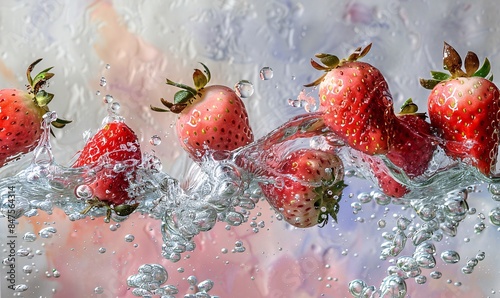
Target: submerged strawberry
{"points": [[114, 153], [307, 187], [356, 101], [386, 182], [21, 115], [464, 109], [413, 145], [211, 118]]}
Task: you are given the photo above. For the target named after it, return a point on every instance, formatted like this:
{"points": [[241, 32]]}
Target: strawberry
{"points": [[464, 110], [386, 182], [307, 187], [21, 115], [211, 118], [114, 154], [356, 102], [413, 144]]}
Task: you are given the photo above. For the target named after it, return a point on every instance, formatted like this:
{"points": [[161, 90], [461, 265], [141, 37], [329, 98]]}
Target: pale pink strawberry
{"points": [[306, 187]]}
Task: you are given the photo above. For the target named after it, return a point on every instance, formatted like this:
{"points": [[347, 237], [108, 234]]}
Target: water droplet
{"points": [[266, 73], [98, 93], [393, 286], [27, 269], [98, 290], [356, 206], [403, 223], [495, 216], [205, 285], [479, 227], [102, 82], [47, 232], [435, 275], [155, 140], [21, 288], [102, 250], [421, 279], [480, 256], [450, 256], [29, 237], [244, 89], [108, 66], [356, 287], [115, 107], [192, 280], [108, 98], [84, 192], [129, 238], [56, 273]]}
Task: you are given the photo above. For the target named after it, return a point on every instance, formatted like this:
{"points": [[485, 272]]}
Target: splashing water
{"points": [[225, 187]]}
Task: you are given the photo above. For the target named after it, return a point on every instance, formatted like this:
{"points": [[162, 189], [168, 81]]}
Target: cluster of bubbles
{"points": [[151, 278]]}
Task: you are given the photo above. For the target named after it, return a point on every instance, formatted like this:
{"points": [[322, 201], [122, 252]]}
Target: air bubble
{"points": [[495, 216], [244, 89], [98, 290], [47, 232], [129, 238], [108, 99], [480, 256], [479, 227], [27, 269], [29, 237], [266, 73], [450, 257], [435, 275], [115, 107], [155, 140], [84, 192], [103, 82]]}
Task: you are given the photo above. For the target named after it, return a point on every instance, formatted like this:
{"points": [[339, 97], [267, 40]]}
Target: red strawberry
{"points": [[210, 118], [385, 181], [21, 115], [115, 154], [356, 101], [308, 186], [464, 108], [413, 144]]}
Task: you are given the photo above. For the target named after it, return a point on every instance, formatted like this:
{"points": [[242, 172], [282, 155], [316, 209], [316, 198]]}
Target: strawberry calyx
{"points": [[452, 62], [331, 62], [40, 97], [120, 210], [410, 108], [183, 98], [328, 201]]}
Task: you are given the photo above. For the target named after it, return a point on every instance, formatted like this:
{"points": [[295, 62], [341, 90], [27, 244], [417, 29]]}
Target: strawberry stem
{"points": [[184, 97], [331, 62], [452, 62]]}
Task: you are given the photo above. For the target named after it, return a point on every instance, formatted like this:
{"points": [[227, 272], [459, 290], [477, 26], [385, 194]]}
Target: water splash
{"points": [[225, 186]]}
